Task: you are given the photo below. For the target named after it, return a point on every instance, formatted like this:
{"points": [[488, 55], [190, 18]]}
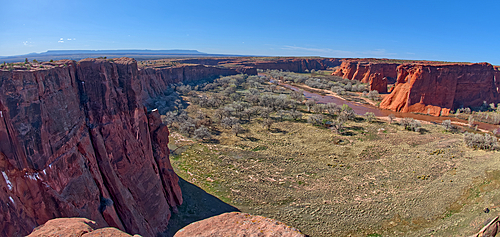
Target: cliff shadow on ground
{"points": [[197, 205]]}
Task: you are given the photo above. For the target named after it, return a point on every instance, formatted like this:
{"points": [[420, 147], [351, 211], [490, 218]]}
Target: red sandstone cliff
{"points": [[76, 140], [436, 89], [374, 73], [249, 65]]}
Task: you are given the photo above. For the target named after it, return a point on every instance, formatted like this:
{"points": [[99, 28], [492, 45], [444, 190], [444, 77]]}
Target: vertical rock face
{"points": [[295, 64], [76, 140], [368, 72], [378, 83], [436, 89]]}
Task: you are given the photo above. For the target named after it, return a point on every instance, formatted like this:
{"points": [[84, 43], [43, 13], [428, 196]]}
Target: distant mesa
{"points": [[133, 53]]}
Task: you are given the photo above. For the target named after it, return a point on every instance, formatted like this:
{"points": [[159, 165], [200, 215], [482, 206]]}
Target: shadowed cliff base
{"points": [[198, 205]]}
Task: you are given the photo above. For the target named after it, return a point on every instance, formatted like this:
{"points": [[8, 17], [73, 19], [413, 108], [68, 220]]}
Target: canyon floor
{"points": [[375, 180]]}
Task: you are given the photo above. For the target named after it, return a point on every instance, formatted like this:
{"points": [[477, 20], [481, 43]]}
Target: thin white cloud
{"points": [[28, 43], [61, 40], [341, 53], [378, 53], [68, 39], [317, 50]]}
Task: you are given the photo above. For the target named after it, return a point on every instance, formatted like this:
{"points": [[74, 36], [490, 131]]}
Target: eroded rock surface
{"points": [[238, 224], [75, 227], [437, 89]]}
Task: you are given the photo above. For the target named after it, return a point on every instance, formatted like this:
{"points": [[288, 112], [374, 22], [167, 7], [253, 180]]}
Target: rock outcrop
{"points": [[76, 140], [238, 224], [375, 73], [75, 227], [436, 89]]}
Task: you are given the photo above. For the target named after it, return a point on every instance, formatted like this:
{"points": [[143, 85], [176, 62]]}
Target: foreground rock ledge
{"points": [[238, 224], [75, 227]]}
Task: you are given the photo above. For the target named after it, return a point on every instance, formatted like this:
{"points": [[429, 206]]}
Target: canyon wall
{"points": [[438, 88], [249, 65], [378, 75], [295, 64], [77, 141]]}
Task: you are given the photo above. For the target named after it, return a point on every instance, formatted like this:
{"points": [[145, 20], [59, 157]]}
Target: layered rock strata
{"points": [[76, 140], [436, 89]]}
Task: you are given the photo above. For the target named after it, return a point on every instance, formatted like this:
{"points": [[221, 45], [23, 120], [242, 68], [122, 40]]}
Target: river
{"points": [[361, 109]]}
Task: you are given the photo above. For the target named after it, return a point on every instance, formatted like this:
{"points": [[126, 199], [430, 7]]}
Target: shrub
{"points": [[373, 95], [237, 129], [228, 122], [296, 115], [369, 116], [447, 125], [338, 126], [315, 119], [310, 104], [347, 113], [333, 108], [411, 124], [478, 141], [267, 123], [202, 133]]}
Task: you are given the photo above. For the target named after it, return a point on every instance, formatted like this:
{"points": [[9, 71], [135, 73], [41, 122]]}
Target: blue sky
{"points": [[430, 30]]}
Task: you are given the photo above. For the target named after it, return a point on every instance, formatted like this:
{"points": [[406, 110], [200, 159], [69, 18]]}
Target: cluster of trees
{"points": [[487, 113], [233, 100], [372, 95], [238, 99], [478, 141], [336, 84]]}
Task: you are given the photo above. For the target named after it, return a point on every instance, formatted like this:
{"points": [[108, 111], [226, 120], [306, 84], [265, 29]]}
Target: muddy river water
{"points": [[361, 109]]}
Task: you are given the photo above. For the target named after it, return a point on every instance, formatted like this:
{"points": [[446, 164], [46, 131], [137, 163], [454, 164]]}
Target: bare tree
{"points": [[333, 108], [202, 133], [471, 120], [338, 126], [447, 125], [228, 122], [237, 129], [369, 116], [296, 115], [391, 118], [267, 123], [310, 104]]}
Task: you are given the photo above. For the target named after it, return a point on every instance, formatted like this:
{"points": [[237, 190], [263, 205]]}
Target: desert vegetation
{"points": [[268, 150], [487, 113]]}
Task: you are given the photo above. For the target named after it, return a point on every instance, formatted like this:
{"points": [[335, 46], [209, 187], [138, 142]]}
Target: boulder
{"points": [[74, 227], [238, 224]]}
